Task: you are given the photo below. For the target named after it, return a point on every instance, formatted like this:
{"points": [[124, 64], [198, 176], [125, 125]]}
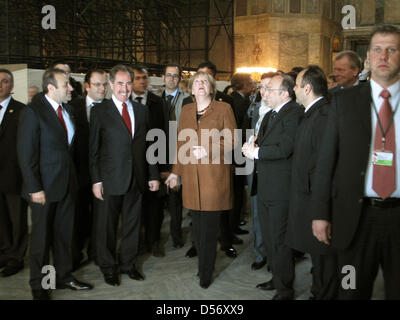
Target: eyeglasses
{"points": [[271, 89], [172, 75], [98, 84]]}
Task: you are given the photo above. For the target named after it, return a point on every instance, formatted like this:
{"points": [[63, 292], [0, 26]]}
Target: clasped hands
{"points": [[249, 148]]}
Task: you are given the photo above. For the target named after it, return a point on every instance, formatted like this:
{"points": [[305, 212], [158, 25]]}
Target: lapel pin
{"points": [[11, 111]]}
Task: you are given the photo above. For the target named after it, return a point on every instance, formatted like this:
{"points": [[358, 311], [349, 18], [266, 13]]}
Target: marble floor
{"points": [[173, 277]]}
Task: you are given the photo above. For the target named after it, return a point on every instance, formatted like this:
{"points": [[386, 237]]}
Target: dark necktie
{"points": [[171, 108], [60, 116], [139, 99], [384, 177], [272, 117], [126, 117]]}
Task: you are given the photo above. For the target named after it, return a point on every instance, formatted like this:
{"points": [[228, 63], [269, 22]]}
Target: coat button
{"points": [[361, 200], [362, 173]]}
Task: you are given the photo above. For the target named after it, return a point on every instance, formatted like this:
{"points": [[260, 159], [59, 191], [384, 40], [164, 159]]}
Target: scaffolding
{"points": [[99, 33]]}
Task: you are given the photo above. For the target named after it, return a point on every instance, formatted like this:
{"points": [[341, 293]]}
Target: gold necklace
{"points": [[204, 110]]}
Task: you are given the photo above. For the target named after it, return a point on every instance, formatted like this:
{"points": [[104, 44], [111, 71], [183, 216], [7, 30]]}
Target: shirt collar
{"points": [[376, 89], [277, 109], [54, 104], [89, 101], [171, 94], [118, 103], [5, 103], [312, 103], [134, 96]]}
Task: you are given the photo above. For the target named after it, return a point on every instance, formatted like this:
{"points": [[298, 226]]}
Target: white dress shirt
{"points": [[130, 111], [312, 103], [67, 119], [394, 101], [89, 105], [3, 110], [143, 96]]}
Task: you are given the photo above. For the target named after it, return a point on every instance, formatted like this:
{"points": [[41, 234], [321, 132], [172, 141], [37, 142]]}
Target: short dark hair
{"points": [[120, 68], [140, 68], [287, 85], [88, 75], [209, 65], [384, 29], [297, 69], [9, 74], [239, 79], [56, 62], [268, 75], [354, 59], [173, 65], [315, 77], [49, 78]]}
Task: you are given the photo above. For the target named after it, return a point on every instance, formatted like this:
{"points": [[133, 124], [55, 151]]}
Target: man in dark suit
{"points": [[96, 87], [274, 160], [356, 203], [120, 175], [173, 98], [227, 238], [153, 211], [13, 208], [346, 68], [311, 91], [45, 151]]}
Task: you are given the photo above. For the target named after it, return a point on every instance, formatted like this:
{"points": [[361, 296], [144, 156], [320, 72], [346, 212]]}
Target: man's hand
{"points": [[172, 181], [97, 189], [248, 150], [199, 152], [322, 230], [39, 197], [154, 185]]}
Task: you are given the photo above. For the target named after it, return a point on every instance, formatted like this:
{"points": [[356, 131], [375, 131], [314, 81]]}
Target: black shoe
{"points": [[269, 285], [11, 270], [205, 284], [282, 298], [112, 279], [157, 250], [258, 265], [240, 231], [178, 244], [3, 263], [242, 223], [192, 252], [236, 240], [134, 274], [230, 252], [75, 285], [41, 294]]}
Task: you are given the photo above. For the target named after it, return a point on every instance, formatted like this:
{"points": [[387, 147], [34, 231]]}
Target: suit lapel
{"points": [[366, 100], [114, 113], [281, 114]]}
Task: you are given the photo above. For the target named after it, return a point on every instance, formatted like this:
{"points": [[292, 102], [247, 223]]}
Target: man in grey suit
{"points": [[274, 149]]}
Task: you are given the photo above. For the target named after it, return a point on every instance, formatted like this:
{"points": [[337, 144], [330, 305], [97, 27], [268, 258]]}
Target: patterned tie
{"points": [[126, 117], [60, 116], [171, 108], [384, 177]]}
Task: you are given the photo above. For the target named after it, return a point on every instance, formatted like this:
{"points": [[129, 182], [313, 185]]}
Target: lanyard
{"points": [[384, 132]]}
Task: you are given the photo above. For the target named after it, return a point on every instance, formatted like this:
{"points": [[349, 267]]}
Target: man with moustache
{"points": [[356, 203], [120, 175], [45, 150], [96, 87]]}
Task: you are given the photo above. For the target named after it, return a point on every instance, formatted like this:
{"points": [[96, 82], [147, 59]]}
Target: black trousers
{"points": [[13, 229], [175, 208], [238, 186], [129, 207], [85, 221], [153, 216], [376, 243], [273, 217], [324, 276], [52, 226], [205, 231]]}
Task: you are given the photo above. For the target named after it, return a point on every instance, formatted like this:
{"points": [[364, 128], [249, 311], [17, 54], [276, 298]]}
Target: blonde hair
{"points": [[211, 81]]}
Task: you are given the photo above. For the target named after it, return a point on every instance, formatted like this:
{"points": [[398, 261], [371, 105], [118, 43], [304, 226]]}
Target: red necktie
{"points": [[384, 177], [60, 116], [126, 117]]}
